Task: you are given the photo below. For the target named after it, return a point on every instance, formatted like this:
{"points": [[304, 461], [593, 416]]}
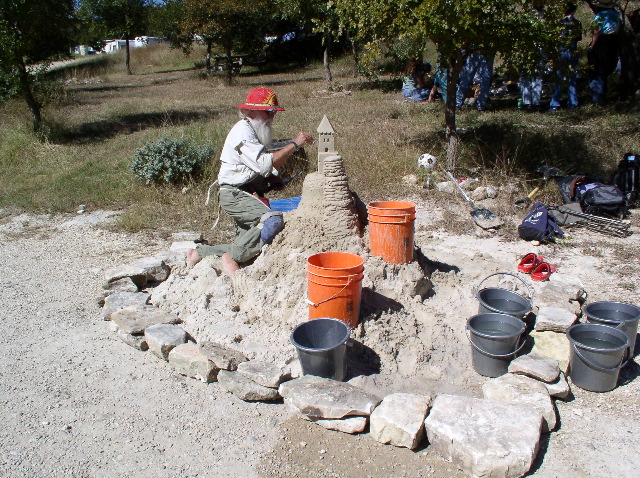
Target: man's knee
{"points": [[272, 225]]}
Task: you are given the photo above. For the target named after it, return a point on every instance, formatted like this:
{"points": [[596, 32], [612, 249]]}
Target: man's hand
{"points": [[303, 139]]}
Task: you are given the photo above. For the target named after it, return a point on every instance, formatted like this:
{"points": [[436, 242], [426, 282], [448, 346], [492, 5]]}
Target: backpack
{"points": [[539, 225], [594, 196], [626, 177]]}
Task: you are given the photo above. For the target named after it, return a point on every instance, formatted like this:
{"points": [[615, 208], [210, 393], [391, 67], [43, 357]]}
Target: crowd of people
{"points": [[422, 85]]}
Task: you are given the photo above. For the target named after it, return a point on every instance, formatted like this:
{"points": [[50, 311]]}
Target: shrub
{"points": [[170, 161]]}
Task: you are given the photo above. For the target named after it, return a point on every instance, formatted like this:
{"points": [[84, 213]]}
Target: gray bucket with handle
{"points": [[621, 315], [494, 342], [503, 301], [598, 352]]}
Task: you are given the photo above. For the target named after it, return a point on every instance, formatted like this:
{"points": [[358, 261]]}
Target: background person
{"points": [[602, 56], [413, 84], [567, 69], [246, 174]]}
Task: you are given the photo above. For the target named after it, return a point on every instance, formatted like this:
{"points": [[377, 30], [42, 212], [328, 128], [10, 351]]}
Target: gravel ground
{"points": [[78, 402]]}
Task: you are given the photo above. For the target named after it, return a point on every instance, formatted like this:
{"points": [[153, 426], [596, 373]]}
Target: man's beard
{"points": [[263, 131]]}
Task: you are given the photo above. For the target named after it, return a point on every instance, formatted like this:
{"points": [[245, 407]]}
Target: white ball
{"points": [[426, 161]]}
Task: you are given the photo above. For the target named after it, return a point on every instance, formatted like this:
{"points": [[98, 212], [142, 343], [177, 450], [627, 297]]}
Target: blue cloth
{"points": [[284, 205], [607, 21], [567, 73], [531, 89], [271, 228], [475, 65], [440, 82], [416, 94]]}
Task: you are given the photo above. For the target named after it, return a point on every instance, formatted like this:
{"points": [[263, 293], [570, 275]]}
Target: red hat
{"points": [[261, 99]]}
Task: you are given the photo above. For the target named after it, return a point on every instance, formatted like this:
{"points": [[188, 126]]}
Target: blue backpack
{"points": [[539, 225]]}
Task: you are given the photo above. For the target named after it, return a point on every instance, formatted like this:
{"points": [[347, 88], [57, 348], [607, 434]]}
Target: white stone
{"points": [[521, 390], [485, 438], [554, 345], [560, 388], [351, 425], [537, 366], [555, 319], [245, 388], [188, 360], [134, 320], [162, 338], [266, 374], [399, 419]]}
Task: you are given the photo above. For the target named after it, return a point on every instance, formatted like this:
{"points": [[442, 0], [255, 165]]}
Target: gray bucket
{"points": [[597, 355], [503, 301], [615, 314], [321, 346], [494, 342]]}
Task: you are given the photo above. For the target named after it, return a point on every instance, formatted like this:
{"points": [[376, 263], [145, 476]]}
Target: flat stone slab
{"points": [[224, 357], [245, 388], [135, 320], [559, 291], [188, 360], [266, 374], [521, 390], [172, 258], [399, 419], [183, 246], [560, 388], [187, 236], [140, 271], [121, 285], [485, 438], [324, 398], [138, 342], [121, 300], [162, 338], [350, 425], [536, 365], [554, 345], [555, 319]]}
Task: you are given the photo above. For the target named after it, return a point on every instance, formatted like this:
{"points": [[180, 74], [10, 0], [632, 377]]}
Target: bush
{"points": [[170, 161]]}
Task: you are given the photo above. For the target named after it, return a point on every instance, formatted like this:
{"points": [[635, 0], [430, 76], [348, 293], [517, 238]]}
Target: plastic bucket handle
{"points": [[622, 363], [476, 289], [349, 282], [490, 354]]}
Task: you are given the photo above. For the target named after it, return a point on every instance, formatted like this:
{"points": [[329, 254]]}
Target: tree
{"points": [[115, 18], [458, 28], [164, 18], [31, 31], [232, 24]]}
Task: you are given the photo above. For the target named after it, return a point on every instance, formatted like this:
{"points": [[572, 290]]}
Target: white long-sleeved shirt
{"points": [[243, 156]]}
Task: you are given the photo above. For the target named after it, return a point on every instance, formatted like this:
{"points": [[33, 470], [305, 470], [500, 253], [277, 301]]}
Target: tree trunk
{"points": [[27, 92], [354, 52], [207, 61], [326, 58], [451, 133], [128, 55], [229, 65]]}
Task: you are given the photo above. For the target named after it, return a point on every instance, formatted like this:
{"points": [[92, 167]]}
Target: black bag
{"points": [[627, 177], [539, 225], [602, 199]]}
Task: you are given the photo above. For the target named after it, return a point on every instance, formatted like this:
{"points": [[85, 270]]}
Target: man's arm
{"points": [[283, 155]]}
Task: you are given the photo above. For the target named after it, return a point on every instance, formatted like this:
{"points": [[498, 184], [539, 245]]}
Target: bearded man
{"points": [[246, 173]]}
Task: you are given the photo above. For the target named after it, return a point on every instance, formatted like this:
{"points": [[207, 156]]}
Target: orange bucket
{"points": [[391, 230], [335, 285]]}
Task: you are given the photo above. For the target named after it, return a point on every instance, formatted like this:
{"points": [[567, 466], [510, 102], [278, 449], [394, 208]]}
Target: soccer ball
{"points": [[426, 161]]}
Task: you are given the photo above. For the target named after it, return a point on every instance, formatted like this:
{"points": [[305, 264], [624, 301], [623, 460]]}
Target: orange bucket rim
{"points": [[357, 261], [392, 205]]}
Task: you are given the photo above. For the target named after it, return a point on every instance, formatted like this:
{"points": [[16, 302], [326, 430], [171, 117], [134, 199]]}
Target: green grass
{"points": [[104, 114]]}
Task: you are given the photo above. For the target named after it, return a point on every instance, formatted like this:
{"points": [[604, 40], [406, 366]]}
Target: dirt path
{"points": [[76, 401]]}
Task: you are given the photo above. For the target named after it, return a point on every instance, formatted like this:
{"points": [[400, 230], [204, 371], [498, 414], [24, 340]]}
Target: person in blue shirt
{"points": [[567, 65], [413, 84], [602, 56], [478, 65]]}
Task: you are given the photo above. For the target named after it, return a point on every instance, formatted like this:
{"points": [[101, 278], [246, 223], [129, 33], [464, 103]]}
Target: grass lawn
{"points": [[102, 115]]}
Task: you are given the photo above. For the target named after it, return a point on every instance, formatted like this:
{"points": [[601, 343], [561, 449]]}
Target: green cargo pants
{"points": [[246, 211]]}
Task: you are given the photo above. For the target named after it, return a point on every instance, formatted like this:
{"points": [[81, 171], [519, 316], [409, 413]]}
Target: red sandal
{"points": [[529, 263], [542, 272]]}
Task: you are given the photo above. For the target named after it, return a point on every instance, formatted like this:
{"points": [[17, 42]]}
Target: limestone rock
{"points": [[141, 271], [399, 419], [120, 285], [135, 320], [266, 374], [120, 300], [560, 388], [446, 187], [245, 388], [162, 338], [172, 258], [556, 293], [183, 246], [554, 319], [479, 193], [137, 341], [188, 360], [187, 236], [223, 357], [484, 437], [537, 366], [554, 345], [520, 390], [324, 398], [351, 425]]}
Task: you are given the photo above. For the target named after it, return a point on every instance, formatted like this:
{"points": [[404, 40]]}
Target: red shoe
{"points": [[543, 271], [529, 263]]}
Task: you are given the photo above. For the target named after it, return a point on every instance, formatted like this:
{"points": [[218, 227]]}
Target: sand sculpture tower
{"points": [[326, 142]]}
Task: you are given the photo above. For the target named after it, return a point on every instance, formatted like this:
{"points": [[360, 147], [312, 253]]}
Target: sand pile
{"points": [[403, 333]]}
